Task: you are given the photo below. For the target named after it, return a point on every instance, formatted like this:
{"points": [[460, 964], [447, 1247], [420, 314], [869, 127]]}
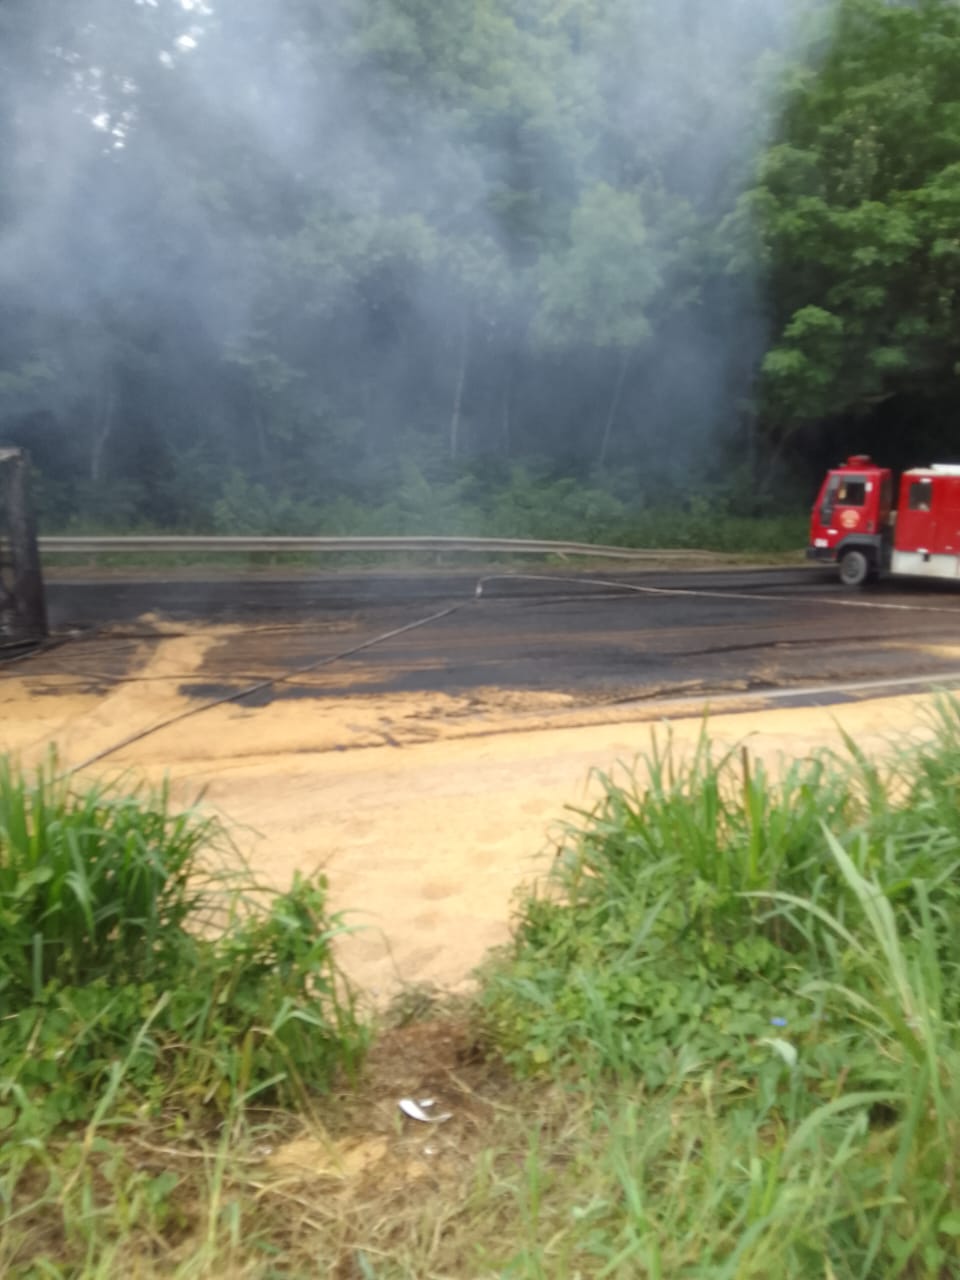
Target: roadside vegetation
{"points": [[752, 982], [145, 982], [724, 1042], [660, 240], [727, 518]]}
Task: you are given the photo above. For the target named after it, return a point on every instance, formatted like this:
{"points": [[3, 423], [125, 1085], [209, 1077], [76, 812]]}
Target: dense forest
{"points": [[337, 265]]}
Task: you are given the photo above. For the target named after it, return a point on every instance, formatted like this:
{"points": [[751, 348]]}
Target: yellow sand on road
{"points": [[424, 841]]}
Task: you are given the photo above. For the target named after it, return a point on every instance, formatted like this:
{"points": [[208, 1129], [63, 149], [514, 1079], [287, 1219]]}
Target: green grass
{"points": [[135, 951], [94, 883], [731, 1018], [770, 965]]}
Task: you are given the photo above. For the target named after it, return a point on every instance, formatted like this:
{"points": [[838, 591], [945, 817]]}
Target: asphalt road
{"points": [[630, 636]]}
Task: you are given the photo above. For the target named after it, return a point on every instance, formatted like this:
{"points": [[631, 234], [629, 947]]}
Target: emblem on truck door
{"points": [[850, 519]]}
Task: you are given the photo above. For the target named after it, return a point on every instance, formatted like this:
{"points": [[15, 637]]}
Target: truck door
{"points": [[916, 520]]}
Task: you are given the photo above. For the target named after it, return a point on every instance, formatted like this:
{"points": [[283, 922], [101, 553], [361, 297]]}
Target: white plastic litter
{"points": [[415, 1111]]}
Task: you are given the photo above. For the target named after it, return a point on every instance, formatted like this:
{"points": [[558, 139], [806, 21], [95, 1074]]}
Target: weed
{"points": [[773, 961], [735, 1013], [128, 936]]}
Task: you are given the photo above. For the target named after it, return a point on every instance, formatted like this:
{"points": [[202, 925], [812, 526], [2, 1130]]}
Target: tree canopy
{"points": [[310, 250]]}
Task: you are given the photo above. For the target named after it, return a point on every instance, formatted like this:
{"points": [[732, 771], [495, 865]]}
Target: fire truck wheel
{"points": [[854, 568]]}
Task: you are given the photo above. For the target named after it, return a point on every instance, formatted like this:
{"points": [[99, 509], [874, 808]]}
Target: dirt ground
{"points": [[425, 810]]}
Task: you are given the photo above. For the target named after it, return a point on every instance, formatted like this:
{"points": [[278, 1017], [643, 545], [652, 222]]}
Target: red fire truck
{"points": [[855, 525]]}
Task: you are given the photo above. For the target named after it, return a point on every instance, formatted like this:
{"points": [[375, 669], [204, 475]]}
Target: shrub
{"points": [[93, 884], [767, 968], [519, 503], [703, 899], [642, 951], [128, 936]]}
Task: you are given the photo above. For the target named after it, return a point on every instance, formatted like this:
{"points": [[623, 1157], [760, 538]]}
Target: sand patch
{"points": [[425, 811]]}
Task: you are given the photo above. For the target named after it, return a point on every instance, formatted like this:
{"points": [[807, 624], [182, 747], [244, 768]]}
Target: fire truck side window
{"points": [[852, 493], [921, 495]]}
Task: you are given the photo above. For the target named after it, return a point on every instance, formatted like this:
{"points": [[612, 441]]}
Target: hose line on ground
{"points": [[478, 594], [269, 683]]}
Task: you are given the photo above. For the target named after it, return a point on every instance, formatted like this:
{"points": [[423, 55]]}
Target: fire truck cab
{"points": [[855, 526]]}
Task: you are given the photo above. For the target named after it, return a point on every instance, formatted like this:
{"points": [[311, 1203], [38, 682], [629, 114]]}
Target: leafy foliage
{"points": [[525, 237], [645, 944], [782, 948], [674, 926], [709, 1137], [126, 939], [857, 210], [525, 503]]}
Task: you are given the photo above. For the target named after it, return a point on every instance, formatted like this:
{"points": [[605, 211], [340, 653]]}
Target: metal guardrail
{"points": [[162, 543]]}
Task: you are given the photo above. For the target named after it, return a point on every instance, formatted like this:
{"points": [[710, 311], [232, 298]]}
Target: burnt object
{"points": [[23, 608]]}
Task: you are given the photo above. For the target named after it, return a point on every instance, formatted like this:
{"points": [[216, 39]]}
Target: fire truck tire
{"points": [[855, 568]]}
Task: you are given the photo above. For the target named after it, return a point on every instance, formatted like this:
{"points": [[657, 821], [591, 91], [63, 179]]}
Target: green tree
{"points": [[858, 208], [599, 289]]}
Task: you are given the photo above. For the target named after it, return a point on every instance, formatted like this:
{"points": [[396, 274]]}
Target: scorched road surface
{"points": [[596, 637], [423, 773]]}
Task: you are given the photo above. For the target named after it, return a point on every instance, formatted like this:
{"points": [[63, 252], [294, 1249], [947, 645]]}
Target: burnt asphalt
{"points": [[736, 630]]}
